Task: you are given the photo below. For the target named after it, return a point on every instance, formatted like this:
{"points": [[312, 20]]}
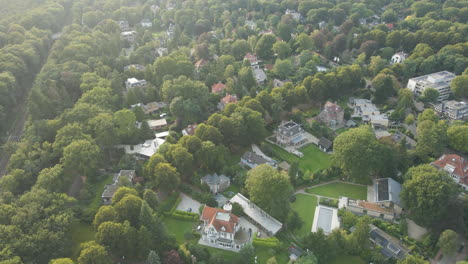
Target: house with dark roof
{"points": [[390, 246], [324, 144], [289, 133], [110, 189], [217, 183], [295, 252], [219, 227], [252, 160], [455, 166], [386, 191]]}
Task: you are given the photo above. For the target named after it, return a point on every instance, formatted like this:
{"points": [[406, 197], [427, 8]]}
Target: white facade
{"points": [[128, 35], [134, 82], [439, 81], [398, 57]]}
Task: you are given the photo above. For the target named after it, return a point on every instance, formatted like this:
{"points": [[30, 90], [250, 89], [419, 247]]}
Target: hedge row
{"points": [[170, 204], [271, 242], [329, 202], [186, 216]]}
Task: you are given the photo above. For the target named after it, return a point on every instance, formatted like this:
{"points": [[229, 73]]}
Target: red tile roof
{"points": [[210, 214], [251, 57], [453, 164], [229, 99], [217, 88]]}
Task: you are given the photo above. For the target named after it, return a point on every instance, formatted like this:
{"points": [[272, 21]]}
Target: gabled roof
{"points": [[229, 99], [251, 57], [217, 88], [200, 63], [220, 219], [453, 164], [325, 142], [214, 179]]}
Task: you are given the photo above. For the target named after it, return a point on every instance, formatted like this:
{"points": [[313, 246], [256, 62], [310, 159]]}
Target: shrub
{"points": [[237, 209]]}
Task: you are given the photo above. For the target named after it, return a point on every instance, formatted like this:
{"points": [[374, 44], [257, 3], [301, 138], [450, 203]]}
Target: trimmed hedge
{"points": [[329, 202], [271, 242], [186, 216], [168, 206]]}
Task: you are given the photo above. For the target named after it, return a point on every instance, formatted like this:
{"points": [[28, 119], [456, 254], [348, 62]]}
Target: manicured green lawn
{"points": [[305, 207], [337, 189], [313, 159], [80, 232], [226, 254], [341, 130], [178, 228], [263, 254], [348, 259], [232, 188]]}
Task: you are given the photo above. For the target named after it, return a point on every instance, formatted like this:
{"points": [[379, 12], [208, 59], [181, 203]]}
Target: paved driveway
{"points": [[188, 203]]}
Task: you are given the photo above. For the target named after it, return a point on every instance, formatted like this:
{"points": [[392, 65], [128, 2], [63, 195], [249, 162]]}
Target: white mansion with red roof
{"points": [[219, 227], [455, 166]]}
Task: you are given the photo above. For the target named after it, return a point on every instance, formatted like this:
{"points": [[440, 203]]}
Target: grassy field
{"points": [[263, 254], [226, 254], [305, 207], [313, 159], [178, 228], [347, 259], [337, 189], [80, 232]]}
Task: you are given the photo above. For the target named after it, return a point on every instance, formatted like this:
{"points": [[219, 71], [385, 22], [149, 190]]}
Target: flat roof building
{"points": [[439, 81], [453, 109]]}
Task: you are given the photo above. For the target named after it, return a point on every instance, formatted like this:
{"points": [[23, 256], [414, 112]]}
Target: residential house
{"points": [[189, 130], [252, 58], [289, 133], [228, 99], [439, 81], [456, 166], [146, 23], [453, 109], [110, 189], [137, 67], [129, 36], [398, 57], [260, 76], [161, 51], [145, 150], [321, 68], [131, 83], [252, 160], [157, 124], [325, 144], [150, 107], [386, 191], [124, 26], [219, 227], [295, 15], [269, 224], [155, 9], [398, 137], [218, 88], [277, 83], [332, 114], [295, 252], [325, 218], [379, 121], [390, 247], [251, 24], [199, 65], [360, 207], [217, 183]]}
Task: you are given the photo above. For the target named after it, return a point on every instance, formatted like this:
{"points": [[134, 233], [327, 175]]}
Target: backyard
{"points": [[179, 228], [348, 259], [337, 189], [79, 233], [305, 207], [313, 160]]}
